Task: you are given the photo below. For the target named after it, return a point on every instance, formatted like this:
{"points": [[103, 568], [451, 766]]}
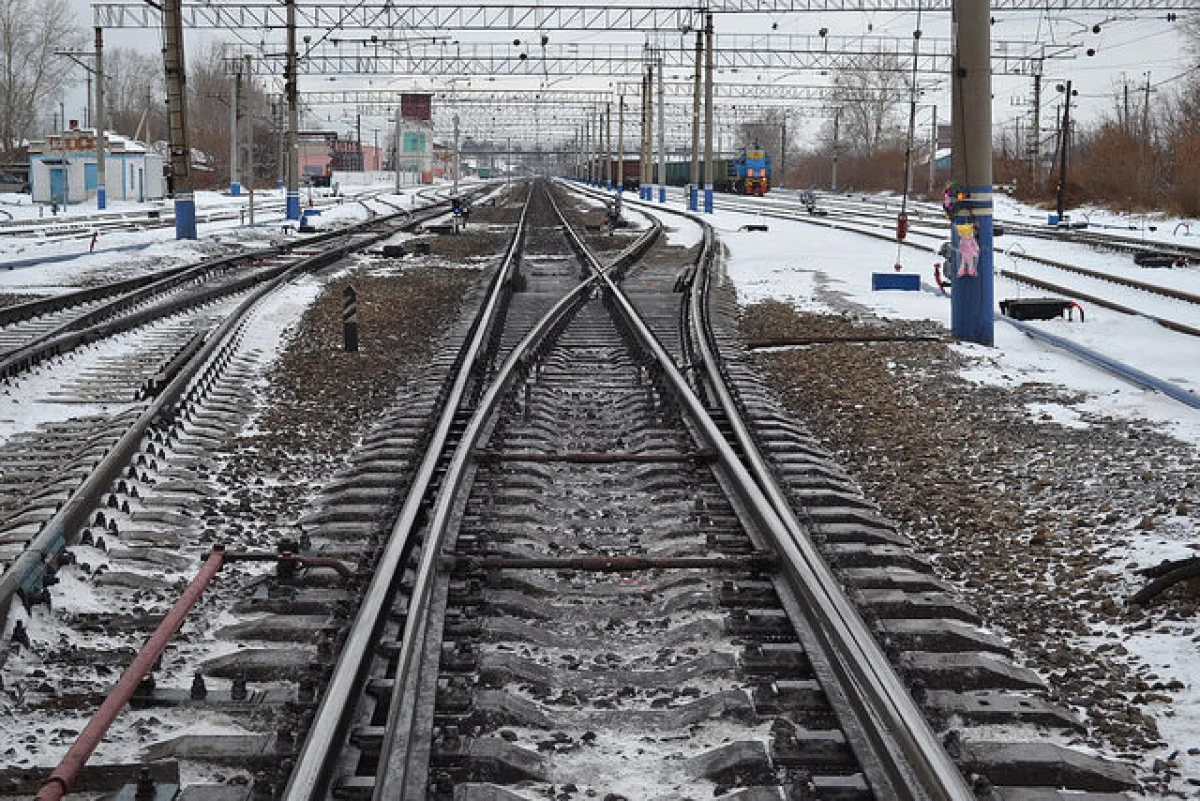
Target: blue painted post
{"points": [[972, 303], [185, 215], [662, 193], [293, 204], [693, 197], [708, 198]]}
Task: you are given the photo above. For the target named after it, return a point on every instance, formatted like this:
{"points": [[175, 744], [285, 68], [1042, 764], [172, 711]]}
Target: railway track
{"points": [[1112, 289], [563, 568]]}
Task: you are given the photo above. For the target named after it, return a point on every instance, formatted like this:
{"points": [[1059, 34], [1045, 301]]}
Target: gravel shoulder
{"points": [[1042, 525]]}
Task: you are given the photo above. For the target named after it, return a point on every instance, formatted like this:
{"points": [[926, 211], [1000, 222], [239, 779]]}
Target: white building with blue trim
{"points": [[62, 169]]}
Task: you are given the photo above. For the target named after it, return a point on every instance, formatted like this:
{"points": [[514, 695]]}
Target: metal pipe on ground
{"points": [[72, 763]]}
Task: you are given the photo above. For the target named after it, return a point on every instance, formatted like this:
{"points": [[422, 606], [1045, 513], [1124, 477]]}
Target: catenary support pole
{"points": [[235, 82], [662, 132], [608, 166], [708, 113], [248, 171], [292, 86], [621, 144], [933, 151], [181, 163], [649, 194], [396, 148], [837, 113], [1064, 148], [694, 187], [971, 303], [101, 155]]}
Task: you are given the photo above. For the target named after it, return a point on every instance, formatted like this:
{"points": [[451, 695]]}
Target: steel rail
{"points": [[26, 573], [916, 764], [394, 773], [310, 777], [881, 695]]}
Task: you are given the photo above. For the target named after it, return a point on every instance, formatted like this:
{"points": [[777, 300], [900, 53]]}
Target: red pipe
{"points": [[72, 763]]}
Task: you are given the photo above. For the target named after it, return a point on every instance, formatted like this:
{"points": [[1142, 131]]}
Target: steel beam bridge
{"points": [[615, 16]]}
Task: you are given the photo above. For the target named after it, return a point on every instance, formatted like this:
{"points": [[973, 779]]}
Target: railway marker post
{"points": [[350, 319]]}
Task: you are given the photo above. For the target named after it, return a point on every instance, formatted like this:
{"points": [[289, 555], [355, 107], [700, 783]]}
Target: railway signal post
{"points": [[971, 304]]}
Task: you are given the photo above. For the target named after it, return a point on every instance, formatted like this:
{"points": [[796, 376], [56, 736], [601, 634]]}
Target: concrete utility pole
{"points": [[662, 133], [181, 163], [972, 302], [621, 144], [101, 187], [292, 87], [235, 188], [708, 113], [694, 189]]}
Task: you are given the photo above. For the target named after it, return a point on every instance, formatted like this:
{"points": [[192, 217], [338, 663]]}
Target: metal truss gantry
{"points": [[733, 53], [615, 16]]}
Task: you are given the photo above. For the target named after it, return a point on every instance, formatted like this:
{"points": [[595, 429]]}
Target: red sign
{"points": [[416, 107]]}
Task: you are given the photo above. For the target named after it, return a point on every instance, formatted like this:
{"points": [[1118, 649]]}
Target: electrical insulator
{"points": [[901, 227]]}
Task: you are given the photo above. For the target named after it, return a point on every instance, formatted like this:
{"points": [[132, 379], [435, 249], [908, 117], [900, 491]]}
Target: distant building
{"points": [[63, 168]]}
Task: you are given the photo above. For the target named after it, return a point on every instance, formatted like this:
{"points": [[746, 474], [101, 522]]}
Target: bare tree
{"points": [[31, 75], [869, 96], [134, 92], [208, 113]]}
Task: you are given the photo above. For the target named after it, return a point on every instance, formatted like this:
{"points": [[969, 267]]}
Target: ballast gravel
{"points": [[1042, 525]]}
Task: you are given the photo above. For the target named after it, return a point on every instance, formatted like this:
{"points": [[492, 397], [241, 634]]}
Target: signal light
{"points": [[901, 226]]}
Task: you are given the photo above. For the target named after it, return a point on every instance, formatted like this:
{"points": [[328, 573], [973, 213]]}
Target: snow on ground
{"points": [[789, 263]]}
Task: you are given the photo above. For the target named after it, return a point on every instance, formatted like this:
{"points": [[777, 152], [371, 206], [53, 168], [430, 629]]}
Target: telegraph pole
{"points": [[694, 188], [292, 85], [101, 188], [708, 113], [181, 168], [972, 302]]}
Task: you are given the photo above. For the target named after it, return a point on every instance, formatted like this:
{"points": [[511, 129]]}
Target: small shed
{"points": [[62, 169]]}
